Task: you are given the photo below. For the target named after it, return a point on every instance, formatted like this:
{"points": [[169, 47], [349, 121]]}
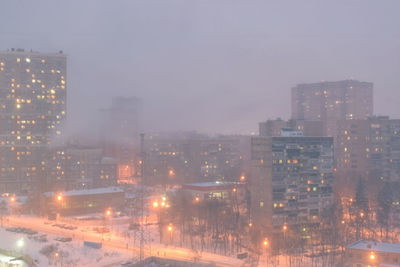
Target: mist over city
{"points": [[200, 133]]}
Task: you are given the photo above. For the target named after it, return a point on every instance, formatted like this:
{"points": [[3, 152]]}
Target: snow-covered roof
{"points": [[375, 246], [218, 185], [94, 191]]}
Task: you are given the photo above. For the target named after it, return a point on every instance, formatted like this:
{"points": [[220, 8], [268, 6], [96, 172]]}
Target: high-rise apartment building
{"points": [[291, 180], [121, 126], [369, 149], [32, 111], [332, 101]]}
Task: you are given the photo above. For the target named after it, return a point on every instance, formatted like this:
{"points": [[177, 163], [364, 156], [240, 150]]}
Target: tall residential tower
{"points": [[32, 111], [332, 101]]}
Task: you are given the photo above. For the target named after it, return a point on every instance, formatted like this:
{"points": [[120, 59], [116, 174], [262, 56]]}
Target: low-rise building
{"points": [[369, 253], [84, 201], [226, 191]]}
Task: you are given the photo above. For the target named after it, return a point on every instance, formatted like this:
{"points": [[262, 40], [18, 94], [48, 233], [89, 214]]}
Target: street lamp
{"points": [[59, 197], [108, 212], [155, 204], [20, 243], [284, 228], [372, 256], [170, 228], [265, 242]]}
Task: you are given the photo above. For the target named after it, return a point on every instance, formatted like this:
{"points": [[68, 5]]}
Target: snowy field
{"points": [[56, 253]]}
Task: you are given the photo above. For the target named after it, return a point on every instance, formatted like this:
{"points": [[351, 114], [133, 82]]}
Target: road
{"points": [[119, 243]]}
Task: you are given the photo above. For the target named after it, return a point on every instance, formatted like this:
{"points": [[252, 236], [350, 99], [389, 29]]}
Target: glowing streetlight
{"points": [[242, 178], [362, 214], [12, 199], [108, 212], [56, 254], [170, 228], [372, 256], [59, 197], [155, 204], [265, 242], [250, 224], [284, 227], [20, 243], [163, 204], [197, 199], [234, 190], [171, 173]]}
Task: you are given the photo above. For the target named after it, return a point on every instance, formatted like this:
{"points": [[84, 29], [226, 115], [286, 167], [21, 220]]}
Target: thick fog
{"points": [[210, 65]]}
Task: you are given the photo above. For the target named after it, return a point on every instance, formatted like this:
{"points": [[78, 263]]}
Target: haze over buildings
{"points": [[192, 79], [201, 54]]}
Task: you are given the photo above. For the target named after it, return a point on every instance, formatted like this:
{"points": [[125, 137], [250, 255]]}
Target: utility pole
{"points": [[142, 155]]}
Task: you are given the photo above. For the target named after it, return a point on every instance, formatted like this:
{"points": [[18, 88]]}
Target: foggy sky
{"points": [[209, 65]]}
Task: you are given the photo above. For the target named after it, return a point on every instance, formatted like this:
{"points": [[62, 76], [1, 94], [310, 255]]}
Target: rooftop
{"points": [[217, 185], [375, 246], [94, 191]]}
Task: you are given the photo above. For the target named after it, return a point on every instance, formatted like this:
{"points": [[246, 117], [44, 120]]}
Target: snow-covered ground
{"points": [[55, 253]]}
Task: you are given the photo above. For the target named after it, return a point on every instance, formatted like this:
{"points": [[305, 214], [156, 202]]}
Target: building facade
{"points": [[80, 167], [369, 149], [223, 191], [291, 179], [369, 253], [85, 201], [194, 158], [32, 112], [307, 127], [120, 130], [332, 101]]}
